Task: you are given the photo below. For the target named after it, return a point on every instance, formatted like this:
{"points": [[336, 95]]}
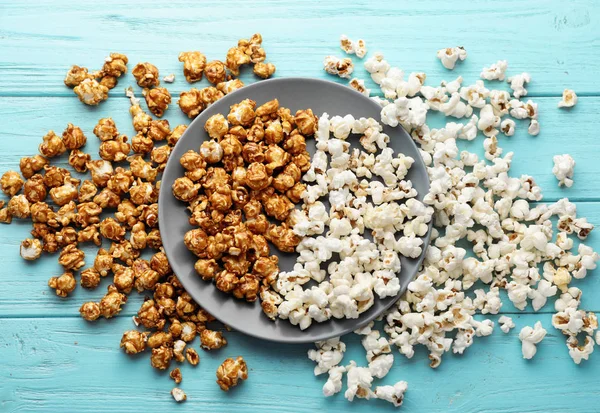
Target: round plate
{"points": [[294, 93]]}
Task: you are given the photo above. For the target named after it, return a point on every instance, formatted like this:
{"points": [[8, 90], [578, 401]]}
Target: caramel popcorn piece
{"points": [[264, 70], [175, 134], [115, 150], [215, 71], [52, 145], [91, 92], [158, 100], [66, 193], [106, 129], [103, 262], [141, 143], [64, 285], [79, 160], [230, 372], [134, 341], [73, 137], [140, 119], [161, 357], [175, 374], [31, 249], [192, 356], [212, 340], [90, 311], [71, 258], [110, 304], [34, 189], [160, 338], [11, 183], [115, 66], [191, 103], [159, 130], [146, 75], [306, 122], [76, 75], [193, 65], [19, 207], [230, 86], [31, 165], [242, 113]]}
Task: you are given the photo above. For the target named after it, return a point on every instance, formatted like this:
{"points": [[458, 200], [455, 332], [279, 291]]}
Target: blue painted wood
{"points": [[54, 361]]}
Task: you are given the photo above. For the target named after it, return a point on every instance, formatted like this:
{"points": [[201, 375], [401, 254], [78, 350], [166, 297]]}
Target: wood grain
{"points": [[53, 361]]}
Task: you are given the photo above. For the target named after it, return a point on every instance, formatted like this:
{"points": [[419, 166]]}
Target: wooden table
{"points": [[53, 361]]}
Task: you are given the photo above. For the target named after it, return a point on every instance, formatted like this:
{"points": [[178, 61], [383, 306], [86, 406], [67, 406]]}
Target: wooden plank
{"points": [[25, 120], [40, 40], [67, 365]]}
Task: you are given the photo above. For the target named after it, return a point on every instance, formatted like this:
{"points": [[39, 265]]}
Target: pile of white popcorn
{"points": [[472, 200]]}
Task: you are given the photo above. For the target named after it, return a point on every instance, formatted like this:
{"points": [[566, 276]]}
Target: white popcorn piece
{"points": [[359, 382], [580, 352], [496, 71], [569, 99], [338, 67], [359, 86], [450, 55], [475, 95], [377, 66], [333, 384], [530, 337], [393, 394], [359, 48], [507, 126], [169, 78], [506, 323], [597, 337], [563, 169], [488, 121], [131, 95], [534, 127], [517, 84], [329, 353]]}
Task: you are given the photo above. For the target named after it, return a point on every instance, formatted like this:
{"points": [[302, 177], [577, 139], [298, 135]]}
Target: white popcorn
{"points": [[475, 95], [333, 384], [329, 354], [359, 86], [350, 47], [488, 121], [451, 55], [393, 394], [169, 78], [339, 67], [496, 71], [131, 95], [569, 99], [563, 169], [517, 84], [359, 382], [530, 337], [506, 323], [534, 127], [377, 66], [578, 352], [456, 107], [507, 126]]}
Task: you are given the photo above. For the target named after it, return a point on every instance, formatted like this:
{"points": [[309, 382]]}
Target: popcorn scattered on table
{"points": [[450, 55], [179, 395], [506, 323], [517, 84], [530, 337], [496, 71], [339, 67], [169, 78], [359, 48], [563, 169], [569, 99]]}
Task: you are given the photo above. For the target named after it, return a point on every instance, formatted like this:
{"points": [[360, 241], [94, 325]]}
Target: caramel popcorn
{"points": [[193, 65], [64, 285], [31, 165], [158, 100], [146, 75], [115, 150], [160, 338], [31, 249], [242, 113], [19, 207], [175, 374], [91, 92], [11, 183], [76, 75], [79, 160], [192, 356], [5, 216], [110, 304], [306, 122], [140, 119], [212, 340], [90, 234], [101, 171], [134, 341], [253, 48], [159, 130], [90, 311], [71, 258], [141, 143], [215, 71], [90, 278], [230, 86], [34, 189], [115, 66], [52, 145], [264, 70], [175, 134], [161, 357], [73, 137], [191, 103], [106, 129], [103, 262], [230, 372], [66, 193]]}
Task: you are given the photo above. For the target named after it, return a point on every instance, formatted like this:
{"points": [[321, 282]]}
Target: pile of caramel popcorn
{"points": [[249, 171], [117, 202]]}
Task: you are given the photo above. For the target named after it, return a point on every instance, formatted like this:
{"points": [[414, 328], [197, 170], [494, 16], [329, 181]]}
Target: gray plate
{"points": [[294, 93]]}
